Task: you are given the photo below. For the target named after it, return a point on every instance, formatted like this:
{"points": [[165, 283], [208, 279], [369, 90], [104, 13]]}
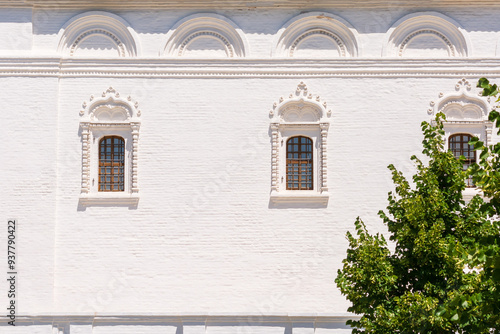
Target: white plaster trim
{"points": [[80, 27], [329, 25], [322, 32], [110, 100], [112, 198], [404, 44], [464, 96], [408, 27], [205, 24], [300, 103], [242, 319], [455, 68], [289, 197], [238, 4]]}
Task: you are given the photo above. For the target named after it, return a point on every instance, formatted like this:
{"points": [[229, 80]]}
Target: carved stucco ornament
{"points": [[300, 111], [464, 108], [463, 95], [301, 93], [109, 111]]}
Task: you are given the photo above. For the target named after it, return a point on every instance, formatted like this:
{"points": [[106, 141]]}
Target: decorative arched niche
{"points": [[109, 115], [306, 115], [426, 35], [97, 34], [316, 35], [205, 35]]}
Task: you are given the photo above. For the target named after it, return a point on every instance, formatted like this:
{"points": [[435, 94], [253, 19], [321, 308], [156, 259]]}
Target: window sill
{"points": [[301, 197], [109, 199]]}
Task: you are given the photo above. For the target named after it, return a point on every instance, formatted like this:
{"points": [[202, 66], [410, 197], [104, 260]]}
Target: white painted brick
{"points": [[203, 238]]}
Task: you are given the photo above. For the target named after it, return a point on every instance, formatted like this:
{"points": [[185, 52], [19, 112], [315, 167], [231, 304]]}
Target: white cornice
{"points": [[237, 68], [239, 4], [144, 319]]}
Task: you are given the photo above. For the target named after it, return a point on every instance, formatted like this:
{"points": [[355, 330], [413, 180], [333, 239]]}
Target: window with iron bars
{"points": [[112, 164], [458, 144], [299, 163]]}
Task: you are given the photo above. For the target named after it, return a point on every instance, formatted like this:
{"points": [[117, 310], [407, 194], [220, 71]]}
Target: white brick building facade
{"points": [[205, 236]]}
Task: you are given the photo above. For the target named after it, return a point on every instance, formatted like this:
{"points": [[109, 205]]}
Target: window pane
{"points": [[111, 164], [299, 163], [459, 145]]}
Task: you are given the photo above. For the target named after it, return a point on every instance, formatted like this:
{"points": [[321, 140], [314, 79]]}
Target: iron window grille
{"points": [[299, 163], [112, 164], [459, 145]]}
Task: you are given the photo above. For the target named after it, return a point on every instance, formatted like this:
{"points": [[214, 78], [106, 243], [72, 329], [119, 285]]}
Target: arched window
{"points": [[111, 164], [459, 145], [299, 163]]}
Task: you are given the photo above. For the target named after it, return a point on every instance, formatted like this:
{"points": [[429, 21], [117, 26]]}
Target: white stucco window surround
{"points": [[109, 115], [466, 113], [301, 114]]}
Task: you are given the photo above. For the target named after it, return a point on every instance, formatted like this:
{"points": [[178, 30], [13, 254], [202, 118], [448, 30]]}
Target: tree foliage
{"points": [[441, 276]]}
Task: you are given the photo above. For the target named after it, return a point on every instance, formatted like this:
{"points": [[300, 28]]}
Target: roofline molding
{"points": [[200, 4]]}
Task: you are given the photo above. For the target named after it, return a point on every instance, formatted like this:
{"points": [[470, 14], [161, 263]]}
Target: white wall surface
{"points": [[204, 237], [259, 26]]}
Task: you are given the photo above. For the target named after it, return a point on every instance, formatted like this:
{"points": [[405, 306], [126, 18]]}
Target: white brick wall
{"points": [[204, 238]]}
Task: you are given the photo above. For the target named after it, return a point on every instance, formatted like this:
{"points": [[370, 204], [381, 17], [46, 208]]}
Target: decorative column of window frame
{"points": [[85, 157], [135, 144], [488, 128], [275, 157], [324, 156]]}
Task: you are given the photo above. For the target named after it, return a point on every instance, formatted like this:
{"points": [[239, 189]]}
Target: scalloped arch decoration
{"points": [[110, 107], [209, 27], [435, 32], [108, 31], [300, 107], [465, 110], [316, 24], [462, 104]]}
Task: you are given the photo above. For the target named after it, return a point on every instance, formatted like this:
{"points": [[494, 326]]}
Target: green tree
{"points": [[434, 281]]}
